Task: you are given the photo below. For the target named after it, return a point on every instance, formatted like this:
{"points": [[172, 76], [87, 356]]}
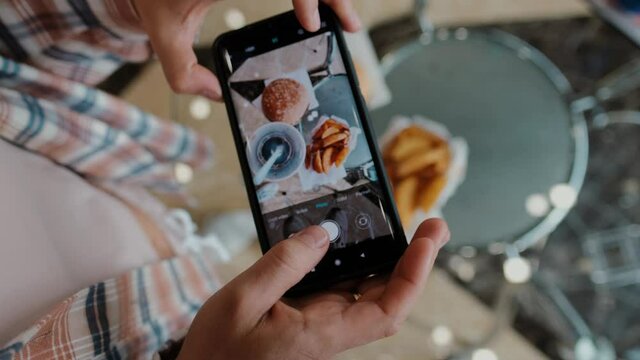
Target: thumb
{"points": [[282, 267]]}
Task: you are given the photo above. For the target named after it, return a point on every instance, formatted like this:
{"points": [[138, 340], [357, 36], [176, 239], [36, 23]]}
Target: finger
{"points": [[281, 268], [308, 14], [173, 45], [346, 13], [435, 229], [184, 74], [373, 288], [409, 277], [383, 308]]}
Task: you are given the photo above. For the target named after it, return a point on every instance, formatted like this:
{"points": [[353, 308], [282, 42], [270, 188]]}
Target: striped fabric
{"points": [[84, 41], [51, 53], [129, 317], [91, 132]]}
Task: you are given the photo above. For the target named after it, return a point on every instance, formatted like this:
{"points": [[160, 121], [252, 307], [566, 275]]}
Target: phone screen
{"points": [[304, 139]]}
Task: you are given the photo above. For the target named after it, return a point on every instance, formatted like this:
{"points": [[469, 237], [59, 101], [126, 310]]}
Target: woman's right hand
{"points": [[247, 319]]}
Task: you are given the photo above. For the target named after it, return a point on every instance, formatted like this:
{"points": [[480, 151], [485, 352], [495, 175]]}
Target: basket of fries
{"points": [[425, 165]]}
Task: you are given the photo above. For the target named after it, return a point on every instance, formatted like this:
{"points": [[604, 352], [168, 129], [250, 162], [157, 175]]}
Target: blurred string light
{"points": [[200, 108], [442, 34], [183, 173], [466, 272], [631, 186], [517, 270], [461, 34], [537, 205], [594, 349], [463, 268], [426, 38], [585, 349], [468, 252], [496, 248], [234, 19], [442, 336], [563, 196], [484, 354]]}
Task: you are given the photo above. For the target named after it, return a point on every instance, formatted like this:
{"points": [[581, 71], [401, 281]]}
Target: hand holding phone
{"points": [[247, 320], [172, 27], [306, 148]]}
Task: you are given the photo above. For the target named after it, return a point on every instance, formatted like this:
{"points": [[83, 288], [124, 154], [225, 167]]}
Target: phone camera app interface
{"points": [[309, 158]]}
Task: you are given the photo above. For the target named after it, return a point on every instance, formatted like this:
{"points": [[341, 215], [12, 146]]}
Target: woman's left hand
{"points": [[172, 26]]}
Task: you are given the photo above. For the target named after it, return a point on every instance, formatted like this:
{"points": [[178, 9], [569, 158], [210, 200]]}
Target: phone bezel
{"points": [[382, 252]]}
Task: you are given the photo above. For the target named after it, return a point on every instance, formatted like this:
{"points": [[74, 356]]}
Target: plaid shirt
{"points": [[130, 317], [51, 53]]}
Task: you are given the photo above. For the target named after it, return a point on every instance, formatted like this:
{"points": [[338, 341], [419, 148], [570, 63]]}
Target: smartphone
{"points": [[306, 147]]}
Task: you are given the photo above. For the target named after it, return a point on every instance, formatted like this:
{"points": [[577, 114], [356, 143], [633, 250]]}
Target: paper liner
{"points": [[457, 168]]}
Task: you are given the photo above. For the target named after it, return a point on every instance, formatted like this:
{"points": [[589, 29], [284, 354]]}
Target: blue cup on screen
{"points": [[630, 5], [266, 140]]}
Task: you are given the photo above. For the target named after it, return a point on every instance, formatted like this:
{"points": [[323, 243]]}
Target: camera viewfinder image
{"points": [[309, 158]]}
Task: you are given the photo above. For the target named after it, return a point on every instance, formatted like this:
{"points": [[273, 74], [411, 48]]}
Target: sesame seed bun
{"points": [[285, 100]]}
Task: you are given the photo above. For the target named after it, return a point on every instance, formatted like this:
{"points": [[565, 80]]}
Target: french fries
{"points": [[429, 196], [417, 162], [317, 162], [333, 139], [327, 158], [329, 147], [329, 131], [422, 159], [405, 194], [341, 156]]}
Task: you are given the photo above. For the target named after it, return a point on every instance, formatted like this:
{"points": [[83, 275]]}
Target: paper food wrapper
{"points": [[457, 168], [310, 179], [301, 76]]}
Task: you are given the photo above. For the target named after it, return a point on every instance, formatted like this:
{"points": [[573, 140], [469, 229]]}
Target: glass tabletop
{"points": [[509, 103]]}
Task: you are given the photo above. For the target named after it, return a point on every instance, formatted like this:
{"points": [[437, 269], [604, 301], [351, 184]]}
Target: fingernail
{"points": [[357, 23], [316, 19], [445, 238], [314, 236], [209, 95]]}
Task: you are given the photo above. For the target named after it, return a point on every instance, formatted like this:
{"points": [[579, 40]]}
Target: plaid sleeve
{"points": [[93, 133], [118, 15], [132, 316], [82, 40]]}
